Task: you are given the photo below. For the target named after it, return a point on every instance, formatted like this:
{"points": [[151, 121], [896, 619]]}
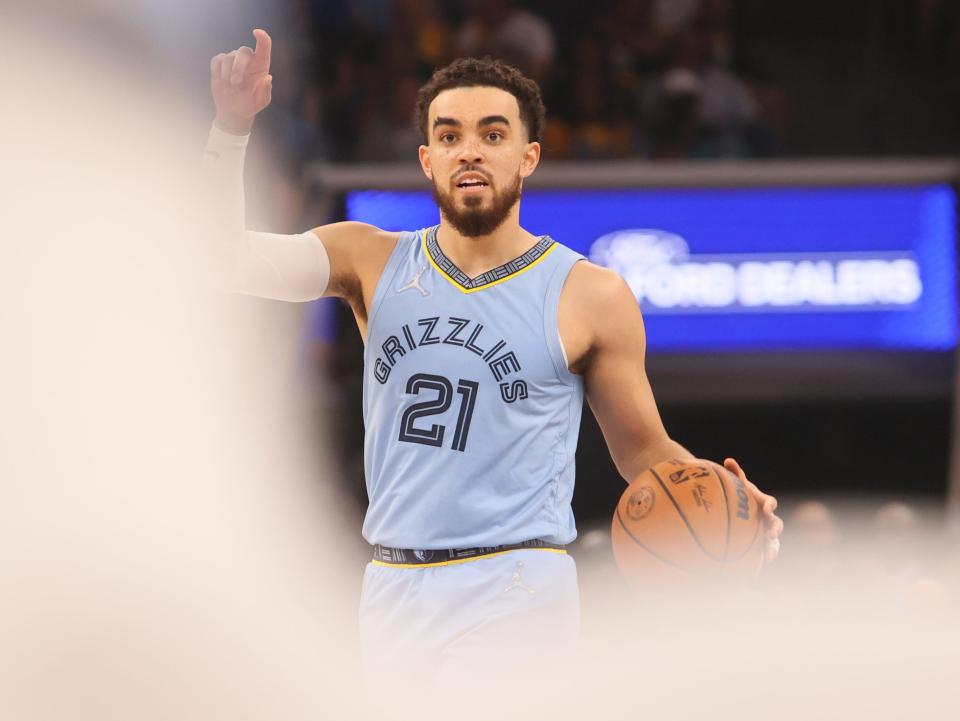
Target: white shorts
{"points": [[502, 611]]}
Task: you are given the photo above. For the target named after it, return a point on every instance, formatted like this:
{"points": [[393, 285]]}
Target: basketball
{"points": [[687, 520]]}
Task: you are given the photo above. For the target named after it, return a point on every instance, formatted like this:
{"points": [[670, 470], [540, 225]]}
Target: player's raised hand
{"points": [[773, 524], [241, 84]]}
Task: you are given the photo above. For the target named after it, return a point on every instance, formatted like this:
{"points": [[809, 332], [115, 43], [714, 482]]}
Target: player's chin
{"points": [[474, 201]]}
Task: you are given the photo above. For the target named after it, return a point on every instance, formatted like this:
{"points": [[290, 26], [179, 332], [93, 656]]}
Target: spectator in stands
{"points": [[591, 120], [390, 134], [813, 528], [813, 556], [673, 116], [636, 45], [700, 108], [674, 16], [898, 541], [427, 30], [515, 35]]}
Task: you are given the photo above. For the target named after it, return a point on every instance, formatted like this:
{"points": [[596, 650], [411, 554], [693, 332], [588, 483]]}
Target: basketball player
{"points": [[481, 339]]}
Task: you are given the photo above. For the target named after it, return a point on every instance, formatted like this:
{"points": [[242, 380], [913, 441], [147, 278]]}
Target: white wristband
{"points": [[226, 149], [222, 140]]}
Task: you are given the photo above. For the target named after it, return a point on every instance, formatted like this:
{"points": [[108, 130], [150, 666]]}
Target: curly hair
{"points": [[485, 72]]}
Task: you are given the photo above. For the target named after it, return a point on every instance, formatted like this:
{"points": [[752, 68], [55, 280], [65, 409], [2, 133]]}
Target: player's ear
{"points": [[530, 159], [425, 161]]}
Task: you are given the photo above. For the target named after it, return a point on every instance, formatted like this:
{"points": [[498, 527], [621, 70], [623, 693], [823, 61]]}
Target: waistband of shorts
{"points": [[417, 558]]}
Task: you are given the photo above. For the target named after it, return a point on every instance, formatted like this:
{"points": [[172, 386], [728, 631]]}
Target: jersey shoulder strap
{"points": [[406, 246]]}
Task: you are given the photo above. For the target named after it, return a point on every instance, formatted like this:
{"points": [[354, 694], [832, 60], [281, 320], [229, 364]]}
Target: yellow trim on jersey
{"points": [[426, 251], [458, 561]]}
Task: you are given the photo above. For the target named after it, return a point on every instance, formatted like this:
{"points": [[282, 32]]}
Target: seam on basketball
{"points": [[648, 549], [682, 516]]}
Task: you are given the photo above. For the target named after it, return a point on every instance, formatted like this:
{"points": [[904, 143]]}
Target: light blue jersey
{"points": [[471, 414]]}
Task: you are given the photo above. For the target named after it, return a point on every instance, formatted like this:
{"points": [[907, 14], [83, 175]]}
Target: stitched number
{"points": [[468, 391], [433, 436]]}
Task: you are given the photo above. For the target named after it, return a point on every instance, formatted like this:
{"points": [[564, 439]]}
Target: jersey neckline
{"points": [[464, 283]]}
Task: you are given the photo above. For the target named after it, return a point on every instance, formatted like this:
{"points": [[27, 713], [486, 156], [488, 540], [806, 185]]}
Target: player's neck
{"points": [[475, 255]]}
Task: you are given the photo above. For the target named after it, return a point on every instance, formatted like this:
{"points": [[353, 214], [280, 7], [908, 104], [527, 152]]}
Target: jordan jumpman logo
{"points": [[517, 582], [415, 283]]}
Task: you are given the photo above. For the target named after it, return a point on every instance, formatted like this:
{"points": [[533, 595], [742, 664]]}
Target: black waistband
{"points": [[416, 557]]}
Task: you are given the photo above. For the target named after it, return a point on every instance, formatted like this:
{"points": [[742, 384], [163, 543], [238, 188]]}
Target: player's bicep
{"points": [[617, 386], [280, 267], [353, 251]]}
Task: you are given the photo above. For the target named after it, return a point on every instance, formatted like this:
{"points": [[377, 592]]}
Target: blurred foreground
{"points": [[172, 544]]}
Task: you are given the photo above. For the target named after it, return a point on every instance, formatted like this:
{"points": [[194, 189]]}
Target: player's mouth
{"points": [[471, 183]]}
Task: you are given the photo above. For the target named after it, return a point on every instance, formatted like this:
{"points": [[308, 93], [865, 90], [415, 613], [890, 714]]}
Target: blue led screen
{"points": [[753, 269]]}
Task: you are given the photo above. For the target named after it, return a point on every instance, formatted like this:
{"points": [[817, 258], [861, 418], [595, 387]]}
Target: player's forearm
{"points": [[222, 169], [268, 265], [652, 453], [222, 177], [283, 267]]}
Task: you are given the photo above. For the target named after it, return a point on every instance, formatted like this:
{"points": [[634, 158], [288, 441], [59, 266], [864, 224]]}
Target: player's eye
{"points": [[494, 136], [447, 138]]}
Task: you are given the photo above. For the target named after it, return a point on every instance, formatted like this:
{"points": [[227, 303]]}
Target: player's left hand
{"points": [[773, 524]]}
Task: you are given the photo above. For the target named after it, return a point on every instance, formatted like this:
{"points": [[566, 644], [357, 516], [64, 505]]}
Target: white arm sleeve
{"points": [[282, 267], [269, 265]]}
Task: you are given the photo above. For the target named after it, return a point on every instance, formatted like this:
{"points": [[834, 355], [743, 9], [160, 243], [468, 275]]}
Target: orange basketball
{"points": [[687, 520]]}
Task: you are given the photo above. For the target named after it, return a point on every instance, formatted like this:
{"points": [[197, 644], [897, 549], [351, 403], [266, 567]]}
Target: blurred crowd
{"points": [[655, 79], [898, 551], [635, 78]]}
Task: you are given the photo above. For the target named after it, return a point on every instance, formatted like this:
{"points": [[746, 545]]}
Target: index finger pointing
{"points": [[264, 45]]}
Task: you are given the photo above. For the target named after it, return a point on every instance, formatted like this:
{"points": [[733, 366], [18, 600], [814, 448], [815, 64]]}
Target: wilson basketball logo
{"points": [[743, 503]]}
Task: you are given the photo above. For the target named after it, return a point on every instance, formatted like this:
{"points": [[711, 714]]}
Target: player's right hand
{"points": [[241, 84]]}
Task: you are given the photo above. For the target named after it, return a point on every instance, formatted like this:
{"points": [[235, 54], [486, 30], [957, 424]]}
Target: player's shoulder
{"points": [[597, 288], [358, 252], [597, 308], [356, 233]]}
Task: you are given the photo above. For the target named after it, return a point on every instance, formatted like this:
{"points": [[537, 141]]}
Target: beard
{"points": [[474, 220]]}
